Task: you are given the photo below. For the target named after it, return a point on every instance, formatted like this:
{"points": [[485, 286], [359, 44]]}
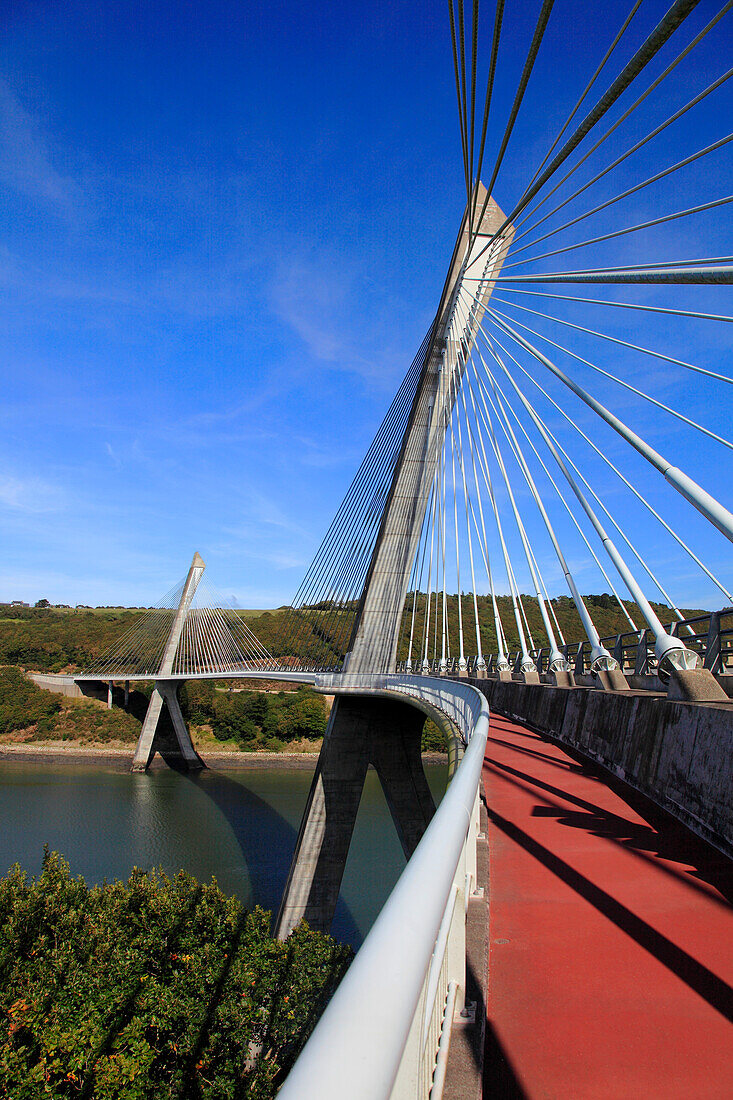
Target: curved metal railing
{"points": [[386, 1030]]}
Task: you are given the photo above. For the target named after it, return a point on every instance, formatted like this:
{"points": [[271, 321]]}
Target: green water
{"points": [[238, 825]]}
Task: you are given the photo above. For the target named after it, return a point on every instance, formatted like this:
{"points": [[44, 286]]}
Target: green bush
{"points": [[296, 714], [433, 738], [149, 989], [256, 719], [51, 717], [22, 704], [86, 721]]}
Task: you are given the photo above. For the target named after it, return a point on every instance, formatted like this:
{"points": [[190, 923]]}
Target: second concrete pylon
{"points": [[166, 690]]}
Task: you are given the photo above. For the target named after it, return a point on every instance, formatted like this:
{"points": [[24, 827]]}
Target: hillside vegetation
{"points": [[29, 714], [243, 720], [603, 608], [52, 640], [240, 720], [65, 640]]}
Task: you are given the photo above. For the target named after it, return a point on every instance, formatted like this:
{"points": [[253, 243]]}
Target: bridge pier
{"points": [[149, 741], [362, 730]]}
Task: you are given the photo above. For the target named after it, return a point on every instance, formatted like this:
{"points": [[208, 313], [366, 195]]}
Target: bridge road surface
{"points": [[611, 937]]}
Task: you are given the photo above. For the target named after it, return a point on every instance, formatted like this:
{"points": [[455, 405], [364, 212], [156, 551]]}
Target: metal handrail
{"points": [[634, 649], [358, 1047]]}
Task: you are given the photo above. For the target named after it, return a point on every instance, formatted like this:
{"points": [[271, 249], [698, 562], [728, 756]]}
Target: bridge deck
{"points": [[611, 937]]}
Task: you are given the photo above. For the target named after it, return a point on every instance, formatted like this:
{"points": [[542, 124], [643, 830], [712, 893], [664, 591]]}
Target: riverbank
{"points": [[120, 757]]}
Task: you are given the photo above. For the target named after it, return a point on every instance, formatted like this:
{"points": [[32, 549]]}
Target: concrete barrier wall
{"points": [[66, 685], [679, 754]]}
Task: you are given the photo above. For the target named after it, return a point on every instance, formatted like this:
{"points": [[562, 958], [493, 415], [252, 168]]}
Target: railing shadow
{"points": [[498, 1075], [660, 838], [500, 1080], [543, 756], [697, 976]]}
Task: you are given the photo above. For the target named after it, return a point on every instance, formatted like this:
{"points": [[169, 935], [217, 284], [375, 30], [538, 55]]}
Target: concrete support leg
{"points": [[164, 692], [361, 731], [127, 694], [397, 759], [109, 695], [183, 737]]}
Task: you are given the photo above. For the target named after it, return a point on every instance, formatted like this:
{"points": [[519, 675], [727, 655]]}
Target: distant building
{"points": [[19, 603]]}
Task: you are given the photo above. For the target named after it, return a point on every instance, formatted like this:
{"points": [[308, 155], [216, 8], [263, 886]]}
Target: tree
{"points": [[42, 603], [302, 715], [254, 705], [183, 992]]}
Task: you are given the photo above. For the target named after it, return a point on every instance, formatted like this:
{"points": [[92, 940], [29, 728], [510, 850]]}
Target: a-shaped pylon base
{"points": [[149, 741]]}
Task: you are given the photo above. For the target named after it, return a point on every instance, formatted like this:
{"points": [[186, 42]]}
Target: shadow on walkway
{"points": [[500, 1080], [662, 836], [698, 977]]}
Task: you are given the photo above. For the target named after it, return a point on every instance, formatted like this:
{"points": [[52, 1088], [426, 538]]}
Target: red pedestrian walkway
{"points": [[611, 934]]}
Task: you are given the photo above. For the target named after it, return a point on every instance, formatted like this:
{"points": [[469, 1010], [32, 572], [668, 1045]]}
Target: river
{"points": [[239, 825]]}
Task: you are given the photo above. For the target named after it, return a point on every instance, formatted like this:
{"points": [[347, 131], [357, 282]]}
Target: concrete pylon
{"points": [[166, 691], [362, 730], [373, 646], [366, 730]]}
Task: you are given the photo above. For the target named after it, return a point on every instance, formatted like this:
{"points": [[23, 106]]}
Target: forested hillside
{"points": [[67, 640], [604, 611]]}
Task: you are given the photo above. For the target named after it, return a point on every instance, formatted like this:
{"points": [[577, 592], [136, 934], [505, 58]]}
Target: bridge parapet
{"points": [[457, 701], [709, 635]]}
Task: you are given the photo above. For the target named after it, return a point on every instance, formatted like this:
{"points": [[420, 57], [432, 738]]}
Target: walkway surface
{"points": [[611, 937]]}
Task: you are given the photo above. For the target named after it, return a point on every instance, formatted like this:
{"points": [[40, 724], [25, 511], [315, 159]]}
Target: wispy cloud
{"points": [[37, 280], [313, 453], [312, 302], [26, 162], [336, 314], [31, 495], [114, 457], [261, 511]]}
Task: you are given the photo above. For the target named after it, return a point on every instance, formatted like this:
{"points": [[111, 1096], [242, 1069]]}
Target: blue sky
{"points": [[223, 233]]}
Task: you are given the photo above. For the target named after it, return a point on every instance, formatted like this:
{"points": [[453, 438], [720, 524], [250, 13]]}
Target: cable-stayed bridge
{"points": [[523, 440]]}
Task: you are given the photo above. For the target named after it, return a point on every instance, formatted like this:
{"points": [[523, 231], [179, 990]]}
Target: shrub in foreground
{"points": [[152, 988]]}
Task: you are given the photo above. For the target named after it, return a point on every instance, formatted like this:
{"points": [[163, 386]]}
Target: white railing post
{"points": [[409, 1083], [457, 939]]}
